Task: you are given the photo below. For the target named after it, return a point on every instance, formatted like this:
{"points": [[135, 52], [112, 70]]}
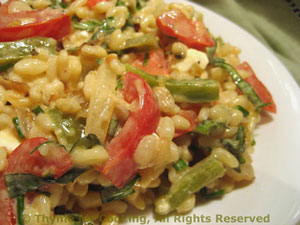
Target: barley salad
{"points": [[118, 103]]}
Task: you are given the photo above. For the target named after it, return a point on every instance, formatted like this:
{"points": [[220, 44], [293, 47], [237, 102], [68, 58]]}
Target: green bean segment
{"points": [[191, 181], [188, 91]]}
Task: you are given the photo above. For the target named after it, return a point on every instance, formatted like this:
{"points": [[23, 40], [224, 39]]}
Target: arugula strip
{"points": [[48, 145], [106, 27], [86, 142], [217, 194], [58, 4], [37, 110], [243, 110], [210, 51], [112, 193], [20, 209], [237, 145], [180, 165], [113, 127], [206, 127], [89, 26], [71, 175], [18, 127], [18, 184], [67, 129], [246, 88]]}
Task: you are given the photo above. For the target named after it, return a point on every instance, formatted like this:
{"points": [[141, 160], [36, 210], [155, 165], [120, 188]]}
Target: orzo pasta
{"points": [[105, 104]]}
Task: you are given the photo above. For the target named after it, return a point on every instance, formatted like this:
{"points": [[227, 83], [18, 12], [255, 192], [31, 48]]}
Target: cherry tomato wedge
{"points": [[259, 87], [192, 33], [23, 160], [45, 23], [121, 167], [156, 63], [191, 116], [92, 3]]}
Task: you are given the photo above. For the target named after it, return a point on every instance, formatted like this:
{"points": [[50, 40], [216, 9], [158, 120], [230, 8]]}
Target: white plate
{"points": [[276, 189]]}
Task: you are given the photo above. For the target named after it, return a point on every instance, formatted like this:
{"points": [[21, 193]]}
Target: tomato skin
{"points": [[157, 63], [92, 3], [57, 26], [194, 34], [8, 206], [21, 160], [121, 167], [260, 89], [191, 116]]}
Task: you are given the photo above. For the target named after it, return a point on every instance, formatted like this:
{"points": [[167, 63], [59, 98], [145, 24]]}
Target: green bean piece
{"points": [[67, 129], [188, 91], [141, 43], [246, 88], [191, 181], [12, 52]]}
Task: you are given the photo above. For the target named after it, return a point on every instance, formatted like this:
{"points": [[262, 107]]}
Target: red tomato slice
{"points": [[259, 87], [46, 23], [194, 34], [8, 206], [21, 160], [157, 62], [191, 116], [121, 167], [92, 3]]}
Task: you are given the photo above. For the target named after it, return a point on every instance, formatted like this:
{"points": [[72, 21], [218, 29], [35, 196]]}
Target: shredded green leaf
{"points": [[67, 129], [206, 126], [20, 209], [146, 59], [120, 3], [140, 4], [89, 26], [86, 142], [211, 52], [18, 184], [180, 165], [113, 127], [112, 193], [48, 144], [217, 194], [236, 145], [243, 110], [37, 110], [106, 27], [18, 127], [71, 175]]}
